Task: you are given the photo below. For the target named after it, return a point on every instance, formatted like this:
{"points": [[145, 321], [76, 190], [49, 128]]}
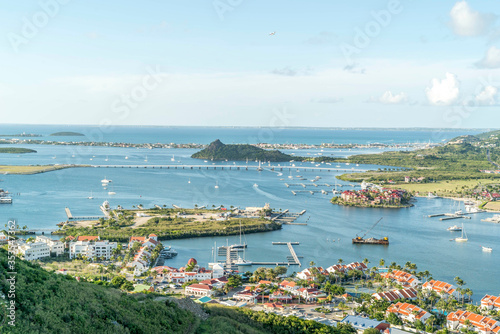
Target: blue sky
{"points": [[329, 63]]}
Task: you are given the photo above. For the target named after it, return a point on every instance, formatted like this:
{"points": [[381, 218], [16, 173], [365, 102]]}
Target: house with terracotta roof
{"points": [[182, 275], [273, 306], [310, 294], [408, 312], [246, 296], [490, 303], [280, 295], [444, 289], [88, 238], [308, 273], [402, 277], [481, 324], [199, 290], [390, 296]]}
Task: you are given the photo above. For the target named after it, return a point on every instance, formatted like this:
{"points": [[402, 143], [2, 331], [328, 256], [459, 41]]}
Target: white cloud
{"points": [[443, 92], [291, 72], [488, 97], [491, 58], [467, 22], [389, 98]]}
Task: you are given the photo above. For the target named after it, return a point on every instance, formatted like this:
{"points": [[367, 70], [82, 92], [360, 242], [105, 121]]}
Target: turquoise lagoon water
{"points": [[414, 237]]}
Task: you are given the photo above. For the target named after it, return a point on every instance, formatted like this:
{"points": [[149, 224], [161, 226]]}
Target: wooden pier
{"points": [[285, 243]]}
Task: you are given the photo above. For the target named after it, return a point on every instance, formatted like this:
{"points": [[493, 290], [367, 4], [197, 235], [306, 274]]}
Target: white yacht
{"points": [[105, 181], [462, 238], [487, 249]]}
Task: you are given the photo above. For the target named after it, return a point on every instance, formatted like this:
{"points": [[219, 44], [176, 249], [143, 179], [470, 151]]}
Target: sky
{"points": [[324, 63]]}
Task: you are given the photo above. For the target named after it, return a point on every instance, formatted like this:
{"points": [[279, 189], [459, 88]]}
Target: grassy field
{"points": [[495, 206], [443, 187], [30, 169]]}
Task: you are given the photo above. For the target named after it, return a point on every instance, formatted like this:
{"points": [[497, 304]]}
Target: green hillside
{"points": [[50, 303], [219, 151]]}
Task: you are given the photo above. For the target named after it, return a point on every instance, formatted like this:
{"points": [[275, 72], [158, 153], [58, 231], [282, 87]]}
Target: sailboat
{"points": [[241, 260], [240, 245], [106, 158], [90, 197], [105, 181], [189, 181], [173, 158], [462, 238], [146, 160], [216, 184], [259, 169]]}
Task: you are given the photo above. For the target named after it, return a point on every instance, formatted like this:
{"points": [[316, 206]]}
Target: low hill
{"points": [[68, 134], [50, 303], [219, 151], [16, 150]]}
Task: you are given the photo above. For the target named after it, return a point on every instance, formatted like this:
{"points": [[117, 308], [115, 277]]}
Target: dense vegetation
{"points": [[461, 158], [219, 151], [16, 150], [227, 320], [68, 134], [170, 226], [50, 303]]}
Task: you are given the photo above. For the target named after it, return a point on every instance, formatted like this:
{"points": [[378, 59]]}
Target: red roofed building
{"points": [[393, 295], [490, 303], [199, 290], [408, 312], [402, 277], [442, 288], [479, 323], [88, 238]]}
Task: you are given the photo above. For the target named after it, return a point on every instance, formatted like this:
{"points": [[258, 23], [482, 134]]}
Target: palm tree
{"points": [[381, 262], [340, 261], [312, 264]]}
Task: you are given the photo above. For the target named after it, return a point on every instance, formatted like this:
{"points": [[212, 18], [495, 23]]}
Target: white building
{"points": [[33, 251], [199, 290], [92, 249], [56, 247]]}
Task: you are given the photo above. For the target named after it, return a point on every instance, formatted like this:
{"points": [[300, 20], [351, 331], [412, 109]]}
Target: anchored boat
{"points": [[371, 241]]}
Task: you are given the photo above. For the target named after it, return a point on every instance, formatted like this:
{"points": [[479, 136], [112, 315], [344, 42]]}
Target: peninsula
{"points": [[219, 151]]}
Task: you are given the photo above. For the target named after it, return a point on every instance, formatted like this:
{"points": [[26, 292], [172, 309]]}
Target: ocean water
{"points": [[239, 135], [39, 202]]}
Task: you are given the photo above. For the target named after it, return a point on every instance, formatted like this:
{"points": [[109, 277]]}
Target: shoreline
{"points": [[31, 169]]}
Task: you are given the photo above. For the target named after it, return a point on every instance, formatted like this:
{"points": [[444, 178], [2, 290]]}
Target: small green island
{"points": [[67, 134], [239, 152], [374, 197], [16, 150]]}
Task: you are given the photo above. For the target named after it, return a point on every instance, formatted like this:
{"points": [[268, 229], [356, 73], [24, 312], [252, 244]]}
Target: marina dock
{"points": [[288, 218], [293, 259], [71, 217]]}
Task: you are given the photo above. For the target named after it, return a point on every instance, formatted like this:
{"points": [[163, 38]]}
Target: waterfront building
{"points": [[218, 283], [310, 273], [56, 247], [402, 277], [444, 289], [92, 249], [390, 296], [362, 323], [199, 290], [33, 251], [141, 261], [339, 268], [3, 238], [408, 312], [468, 320], [489, 302]]}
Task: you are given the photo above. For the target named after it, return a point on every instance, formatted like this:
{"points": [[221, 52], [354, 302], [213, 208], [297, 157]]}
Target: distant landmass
{"points": [[16, 150], [219, 151], [67, 134]]}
